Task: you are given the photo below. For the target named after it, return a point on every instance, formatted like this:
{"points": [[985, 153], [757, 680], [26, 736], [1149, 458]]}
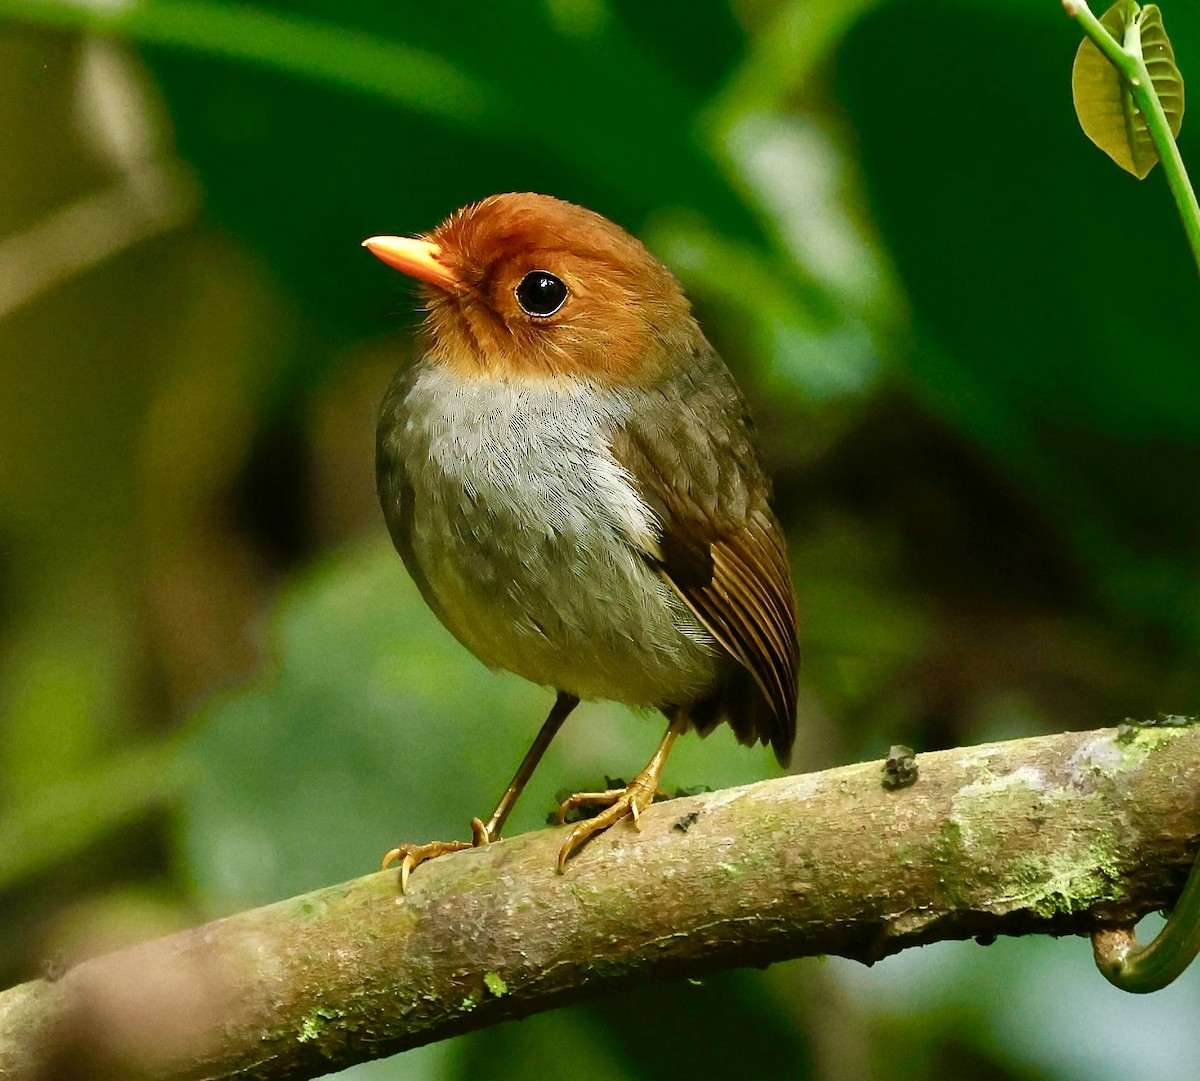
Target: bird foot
{"points": [[618, 803], [411, 856]]}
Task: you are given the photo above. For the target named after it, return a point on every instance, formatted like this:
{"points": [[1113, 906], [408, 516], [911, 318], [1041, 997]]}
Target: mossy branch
{"points": [[1056, 835]]}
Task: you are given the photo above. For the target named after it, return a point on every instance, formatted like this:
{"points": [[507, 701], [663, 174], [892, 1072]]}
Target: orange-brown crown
{"points": [[623, 319]]}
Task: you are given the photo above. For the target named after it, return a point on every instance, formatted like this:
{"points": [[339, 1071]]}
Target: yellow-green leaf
{"points": [[1105, 107], [1160, 62]]}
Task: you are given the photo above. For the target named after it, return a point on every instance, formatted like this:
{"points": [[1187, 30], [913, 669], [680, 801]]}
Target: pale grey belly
{"points": [[564, 612], [525, 540]]}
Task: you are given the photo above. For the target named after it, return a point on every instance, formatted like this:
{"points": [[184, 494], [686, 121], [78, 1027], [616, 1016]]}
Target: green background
{"points": [[973, 349]]}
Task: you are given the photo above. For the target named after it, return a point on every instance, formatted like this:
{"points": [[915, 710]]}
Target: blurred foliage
{"points": [[218, 686]]}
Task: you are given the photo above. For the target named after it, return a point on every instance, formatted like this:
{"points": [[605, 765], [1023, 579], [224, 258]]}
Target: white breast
{"points": [[531, 537]]}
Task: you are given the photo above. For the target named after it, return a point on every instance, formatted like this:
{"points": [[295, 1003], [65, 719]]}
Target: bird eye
{"points": [[541, 293]]}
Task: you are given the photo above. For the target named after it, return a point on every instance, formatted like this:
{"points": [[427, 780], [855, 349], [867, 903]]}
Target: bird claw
{"points": [[606, 798], [412, 856], [628, 802]]}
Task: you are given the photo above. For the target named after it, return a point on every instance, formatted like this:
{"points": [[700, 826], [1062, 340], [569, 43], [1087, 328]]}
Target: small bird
{"points": [[570, 476]]}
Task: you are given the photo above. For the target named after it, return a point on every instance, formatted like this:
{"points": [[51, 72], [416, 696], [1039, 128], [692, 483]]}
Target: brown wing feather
{"points": [[721, 549]]}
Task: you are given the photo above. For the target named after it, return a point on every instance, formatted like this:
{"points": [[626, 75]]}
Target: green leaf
{"points": [[1165, 77], [1103, 102]]}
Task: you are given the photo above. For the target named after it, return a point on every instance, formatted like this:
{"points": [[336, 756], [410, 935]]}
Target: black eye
{"points": [[541, 293]]}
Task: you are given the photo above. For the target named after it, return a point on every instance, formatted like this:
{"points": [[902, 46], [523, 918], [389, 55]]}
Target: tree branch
{"points": [[1054, 835]]}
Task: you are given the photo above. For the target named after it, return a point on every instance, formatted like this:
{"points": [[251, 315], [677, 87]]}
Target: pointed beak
{"points": [[417, 258]]}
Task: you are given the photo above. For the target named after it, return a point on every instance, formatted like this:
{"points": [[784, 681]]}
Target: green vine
{"points": [[1127, 57], [1124, 963]]}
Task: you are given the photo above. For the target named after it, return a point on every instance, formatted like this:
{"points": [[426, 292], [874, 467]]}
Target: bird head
{"points": [[524, 287]]}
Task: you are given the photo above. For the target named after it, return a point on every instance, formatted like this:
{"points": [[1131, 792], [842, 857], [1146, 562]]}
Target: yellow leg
{"points": [[628, 802], [482, 833]]}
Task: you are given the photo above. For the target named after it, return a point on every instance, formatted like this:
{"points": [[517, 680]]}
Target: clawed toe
{"points": [[622, 803], [412, 856]]}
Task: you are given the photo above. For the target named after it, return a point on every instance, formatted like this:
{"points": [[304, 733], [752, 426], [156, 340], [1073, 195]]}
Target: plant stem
{"points": [[1125, 964], [1141, 969], [1128, 60]]}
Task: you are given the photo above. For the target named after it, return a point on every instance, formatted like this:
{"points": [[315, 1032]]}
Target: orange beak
{"points": [[417, 258]]}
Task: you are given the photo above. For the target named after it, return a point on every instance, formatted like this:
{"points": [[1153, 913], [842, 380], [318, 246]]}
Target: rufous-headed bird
{"points": [[570, 475]]}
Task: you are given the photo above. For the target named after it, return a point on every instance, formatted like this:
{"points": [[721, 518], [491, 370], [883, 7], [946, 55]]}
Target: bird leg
{"points": [[482, 833], [629, 801]]}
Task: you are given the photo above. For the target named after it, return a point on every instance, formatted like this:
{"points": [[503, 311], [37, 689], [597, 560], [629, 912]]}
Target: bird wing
{"points": [[690, 451]]}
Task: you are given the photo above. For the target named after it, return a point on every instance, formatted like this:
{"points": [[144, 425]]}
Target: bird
{"points": [[570, 475]]}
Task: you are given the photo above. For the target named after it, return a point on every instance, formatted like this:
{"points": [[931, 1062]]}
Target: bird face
{"points": [[524, 287]]}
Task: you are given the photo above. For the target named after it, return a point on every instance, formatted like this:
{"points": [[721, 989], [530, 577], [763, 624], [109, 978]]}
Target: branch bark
{"points": [[1053, 835]]}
